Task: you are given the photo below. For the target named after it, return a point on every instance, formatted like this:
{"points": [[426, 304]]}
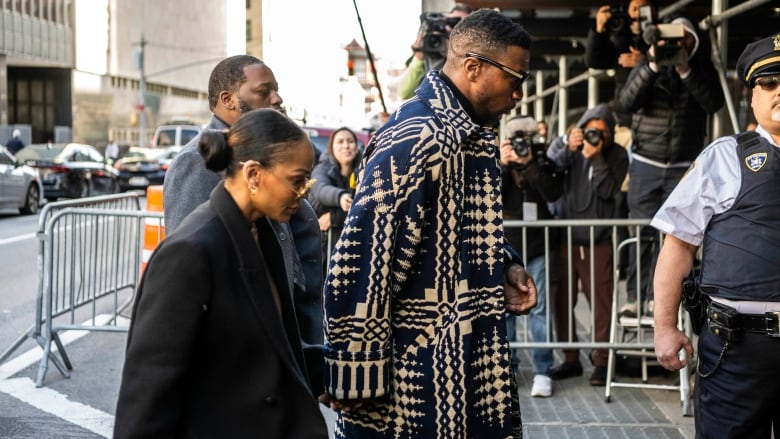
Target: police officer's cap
{"points": [[759, 58]]}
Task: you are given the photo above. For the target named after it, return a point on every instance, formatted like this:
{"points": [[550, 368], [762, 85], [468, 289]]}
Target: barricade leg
{"points": [[22, 338], [49, 355]]}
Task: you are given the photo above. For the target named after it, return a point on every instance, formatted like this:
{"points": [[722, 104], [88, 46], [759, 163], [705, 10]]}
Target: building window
{"points": [[248, 4], [248, 30]]}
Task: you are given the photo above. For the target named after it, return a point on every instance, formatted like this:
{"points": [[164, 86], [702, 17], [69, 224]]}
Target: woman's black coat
{"points": [[207, 353]]}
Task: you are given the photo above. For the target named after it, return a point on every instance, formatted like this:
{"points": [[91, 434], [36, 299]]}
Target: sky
{"points": [[314, 25], [304, 41]]}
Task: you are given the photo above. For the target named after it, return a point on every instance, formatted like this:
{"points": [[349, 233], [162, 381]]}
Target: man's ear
{"points": [[226, 100], [471, 68]]}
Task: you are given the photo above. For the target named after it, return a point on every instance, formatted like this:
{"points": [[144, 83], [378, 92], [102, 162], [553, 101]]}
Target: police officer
{"points": [[729, 203]]}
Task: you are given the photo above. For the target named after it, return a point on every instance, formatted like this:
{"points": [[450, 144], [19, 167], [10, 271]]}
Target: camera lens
{"points": [[520, 145], [617, 21], [592, 135]]}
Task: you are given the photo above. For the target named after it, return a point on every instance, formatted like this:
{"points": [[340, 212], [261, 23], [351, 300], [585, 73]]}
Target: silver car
{"points": [[20, 185]]}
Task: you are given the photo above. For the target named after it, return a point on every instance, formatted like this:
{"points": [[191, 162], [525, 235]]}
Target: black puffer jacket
{"points": [[670, 113], [325, 193], [591, 187]]}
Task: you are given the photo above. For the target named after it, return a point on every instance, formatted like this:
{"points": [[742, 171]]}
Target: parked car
{"points": [[20, 185], [174, 135], [142, 167], [320, 135], [71, 170]]}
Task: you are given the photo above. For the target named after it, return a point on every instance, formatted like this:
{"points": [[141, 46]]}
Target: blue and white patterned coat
{"points": [[414, 306]]}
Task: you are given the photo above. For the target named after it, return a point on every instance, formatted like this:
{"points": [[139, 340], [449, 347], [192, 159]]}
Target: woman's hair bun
{"points": [[214, 149]]}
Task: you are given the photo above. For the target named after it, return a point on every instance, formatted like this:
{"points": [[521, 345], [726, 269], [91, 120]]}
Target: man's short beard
{"points": [[243, 107]]}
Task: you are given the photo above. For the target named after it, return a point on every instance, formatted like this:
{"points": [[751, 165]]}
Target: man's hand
{"points": [[675, 261], [668, 341], [345, 200], [602, 16], [508, 154], [324, 221], [631, 58], [575, 139], [592, 152], [519, 290]]}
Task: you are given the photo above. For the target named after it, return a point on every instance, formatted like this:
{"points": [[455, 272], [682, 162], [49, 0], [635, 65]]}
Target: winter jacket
{"points": [[591, 187], [669, 112]]}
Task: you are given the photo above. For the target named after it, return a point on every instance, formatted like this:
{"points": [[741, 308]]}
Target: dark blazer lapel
{"points": [[272, 252], [256, 281]]}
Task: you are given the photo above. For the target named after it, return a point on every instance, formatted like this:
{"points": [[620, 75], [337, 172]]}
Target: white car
{"points": [[20, 185], [174, 135]]}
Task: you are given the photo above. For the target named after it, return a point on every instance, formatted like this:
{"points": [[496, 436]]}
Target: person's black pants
{"points": [[741, 398], [648, 187]]}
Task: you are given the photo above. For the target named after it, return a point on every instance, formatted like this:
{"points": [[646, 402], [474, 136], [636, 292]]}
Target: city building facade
{"points": [[75, 69]]}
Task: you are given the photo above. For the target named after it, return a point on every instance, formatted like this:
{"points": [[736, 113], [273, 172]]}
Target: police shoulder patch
{"points": [[756, 161]]}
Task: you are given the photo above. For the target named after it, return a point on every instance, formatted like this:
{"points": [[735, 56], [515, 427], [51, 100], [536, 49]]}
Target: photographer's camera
{"points": [[435, 29], [618, 19], [525, 138], [520, 145], [666, 40], [592, 136]]}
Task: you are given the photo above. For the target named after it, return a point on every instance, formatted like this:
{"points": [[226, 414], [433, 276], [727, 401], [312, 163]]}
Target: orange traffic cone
{"points": [[154, 229]]}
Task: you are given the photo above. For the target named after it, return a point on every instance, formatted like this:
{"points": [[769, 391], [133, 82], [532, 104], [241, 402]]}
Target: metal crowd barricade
{"points": [[89, 264], [624, 232]]}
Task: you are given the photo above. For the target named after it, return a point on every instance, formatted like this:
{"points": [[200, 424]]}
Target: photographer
{"points": [[615, 42], [529, 180], [594, 167], [430, 48], [670, 95]]}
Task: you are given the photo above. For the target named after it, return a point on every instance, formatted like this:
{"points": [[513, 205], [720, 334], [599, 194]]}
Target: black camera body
{"points": [[435, 29], [523, 144], [667, 42], [618, 20]]}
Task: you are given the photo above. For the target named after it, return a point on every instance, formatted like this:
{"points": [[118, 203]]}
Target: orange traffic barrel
{"points": [[154, 228]]}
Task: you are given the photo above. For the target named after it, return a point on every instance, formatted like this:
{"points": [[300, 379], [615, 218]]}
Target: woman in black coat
{"points": [[214, 348], [331, 195]]}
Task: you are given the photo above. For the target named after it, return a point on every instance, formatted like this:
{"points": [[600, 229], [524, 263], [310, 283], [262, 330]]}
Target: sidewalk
{"points": [[576, 409], [579, 410]]}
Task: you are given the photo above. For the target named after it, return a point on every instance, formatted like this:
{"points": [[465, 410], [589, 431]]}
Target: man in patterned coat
{"points": [[420, 278]]}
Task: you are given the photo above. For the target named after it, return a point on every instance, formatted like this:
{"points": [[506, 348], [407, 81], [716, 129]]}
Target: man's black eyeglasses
{"points": [[520, 77], [768, 83]]}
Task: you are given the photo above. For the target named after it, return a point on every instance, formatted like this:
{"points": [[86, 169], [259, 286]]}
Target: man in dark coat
{"points": [[238, 84]]}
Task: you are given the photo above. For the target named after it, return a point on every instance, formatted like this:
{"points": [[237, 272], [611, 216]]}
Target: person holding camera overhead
{"points": [[594, 167], [529, 180], [615, 42], [670, 95], [430, 47]]}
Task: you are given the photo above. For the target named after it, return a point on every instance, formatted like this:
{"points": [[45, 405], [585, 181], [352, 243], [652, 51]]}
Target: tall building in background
{"points": [[254, 28], [36, 61], [182, 41], [71, 69]]}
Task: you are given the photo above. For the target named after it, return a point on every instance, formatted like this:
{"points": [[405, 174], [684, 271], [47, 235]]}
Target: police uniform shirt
{"points": [[709, 188]]}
